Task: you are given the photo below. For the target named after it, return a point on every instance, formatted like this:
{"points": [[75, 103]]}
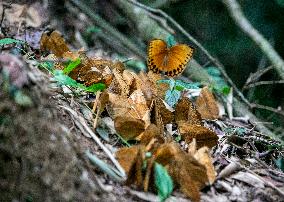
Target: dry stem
{"points": [[238, 16]]}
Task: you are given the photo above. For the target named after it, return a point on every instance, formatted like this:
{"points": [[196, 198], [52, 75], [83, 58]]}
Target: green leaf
{"points": [[48, 65], [163, 182], [63, 79], [96, 87], [226, 90], [280, 163], [220, 84], [172, 97], [7, 41], [179, 84], [72, 65]]}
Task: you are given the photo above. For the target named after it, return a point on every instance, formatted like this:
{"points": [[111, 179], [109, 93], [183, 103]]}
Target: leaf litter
{"points": [[135, 106]]}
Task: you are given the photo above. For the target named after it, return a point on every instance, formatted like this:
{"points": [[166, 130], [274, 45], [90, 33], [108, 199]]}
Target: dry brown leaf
{"points": [[53, 42], [186, 111], [203, 136], [161, 88], [151, 132], [123, 87], [185, 170], [139, 108], [128, 127], [131, 159], [149, 174], [92, 71], [166, 115], [118, 105], [204, 158], [207, 105], [156, 117]]}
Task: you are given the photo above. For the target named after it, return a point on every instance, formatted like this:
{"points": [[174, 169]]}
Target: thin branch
{"points": [[259, 106], [239, 18], [108, 28], [254, 77], [263, 83], [86, 128], [266, 182], [192, 39]]}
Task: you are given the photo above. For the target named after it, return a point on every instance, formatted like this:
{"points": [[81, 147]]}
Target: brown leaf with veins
{"points": [[203, 136], [53, 42], [131, 159], [207, 105], [185, 111], [185, 170], [128, 127], [151, 132], [203, 156], [92, 71]]}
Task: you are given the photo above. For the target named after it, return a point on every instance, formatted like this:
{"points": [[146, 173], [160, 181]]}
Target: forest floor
{"points": [[58, 138]]}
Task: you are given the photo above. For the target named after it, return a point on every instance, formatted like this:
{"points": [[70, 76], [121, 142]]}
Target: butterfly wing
{"points": [[156, 53], [178, 57]]}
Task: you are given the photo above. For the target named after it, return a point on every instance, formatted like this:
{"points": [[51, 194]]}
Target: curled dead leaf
{"points": [[54, 42], [207, 105], [128, 127], [91, 71], [151, 132], [131, 159], [203, 157], [185, 170], [203, 136], [186, 111]]}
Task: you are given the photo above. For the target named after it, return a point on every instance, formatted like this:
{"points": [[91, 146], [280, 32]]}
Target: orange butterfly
{"points": [[172, 61]]}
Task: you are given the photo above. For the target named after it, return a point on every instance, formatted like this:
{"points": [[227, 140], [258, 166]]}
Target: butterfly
{"points": [[172, 61]]}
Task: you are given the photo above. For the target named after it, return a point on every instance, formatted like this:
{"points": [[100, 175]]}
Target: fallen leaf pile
{"points": [[136, 104]]}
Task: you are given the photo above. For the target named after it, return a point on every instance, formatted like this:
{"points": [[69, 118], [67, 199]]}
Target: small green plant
{"points": [[7, 41], [175, 87], [72, 65], [163, 182], [63, 79], [220, 84]]}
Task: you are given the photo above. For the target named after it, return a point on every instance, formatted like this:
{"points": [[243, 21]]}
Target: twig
{"points": [[108, 28], [259, 106], [96, 107], [160, 3], [239, 18], [263, 83], [185, 33], [259, 177], [97, 140], [254, 77]]}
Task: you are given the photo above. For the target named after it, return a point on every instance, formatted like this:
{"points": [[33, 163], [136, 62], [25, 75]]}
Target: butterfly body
{"points": [[172, 61]]}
